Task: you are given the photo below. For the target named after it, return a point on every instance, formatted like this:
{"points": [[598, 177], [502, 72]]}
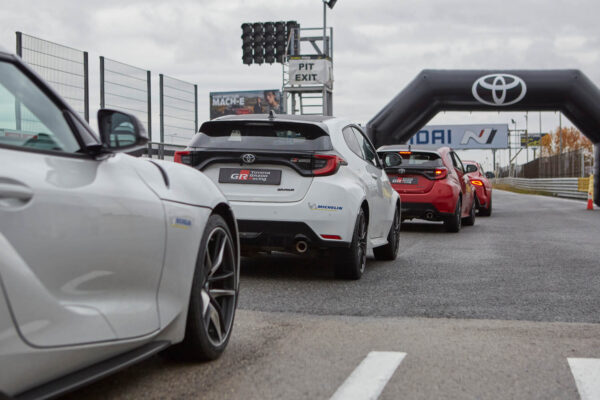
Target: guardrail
{"points": [[560, 187]]}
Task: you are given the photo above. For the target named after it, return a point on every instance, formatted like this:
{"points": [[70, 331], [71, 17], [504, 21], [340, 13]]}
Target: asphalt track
{"points": [[499, 310]]}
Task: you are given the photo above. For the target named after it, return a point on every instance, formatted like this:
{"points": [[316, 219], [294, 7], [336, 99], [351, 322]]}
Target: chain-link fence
{"points": [[64, 68], [128, 88]]}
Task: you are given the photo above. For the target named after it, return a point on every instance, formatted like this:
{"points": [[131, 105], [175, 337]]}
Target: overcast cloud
{"points": [[379, 45]]}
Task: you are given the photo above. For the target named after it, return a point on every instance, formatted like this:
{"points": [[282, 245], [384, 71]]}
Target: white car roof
{"points": [[4, 50]]}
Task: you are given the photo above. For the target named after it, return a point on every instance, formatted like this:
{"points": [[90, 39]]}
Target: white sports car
{"points": [[302, 184], [105, 259]]}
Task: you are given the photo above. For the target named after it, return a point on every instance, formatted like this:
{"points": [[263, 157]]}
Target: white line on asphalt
{"points": [[586, 372], [370, 377]]}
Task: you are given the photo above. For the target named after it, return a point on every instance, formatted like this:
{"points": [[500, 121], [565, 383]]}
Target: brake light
{"points": [[326, 164], [405, 153], [440, 173], [183, 157], [477, 182]]}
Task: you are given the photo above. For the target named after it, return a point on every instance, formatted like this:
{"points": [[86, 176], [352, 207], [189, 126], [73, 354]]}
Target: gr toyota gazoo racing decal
{"points": [[250, 176]]}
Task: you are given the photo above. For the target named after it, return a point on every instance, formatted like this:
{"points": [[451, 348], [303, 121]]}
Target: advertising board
{"points": [[462, 137], [245, 102]]}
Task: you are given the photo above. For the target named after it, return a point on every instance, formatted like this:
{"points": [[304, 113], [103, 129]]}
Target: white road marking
{"points": [[586, 372], [370, 377]]}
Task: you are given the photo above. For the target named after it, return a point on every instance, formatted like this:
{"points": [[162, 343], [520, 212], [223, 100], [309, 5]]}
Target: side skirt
{"points": [[93, 373]]}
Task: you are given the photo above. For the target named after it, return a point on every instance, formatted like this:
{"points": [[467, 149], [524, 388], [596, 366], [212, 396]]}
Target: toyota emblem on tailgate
{"points": [[248, 158]]}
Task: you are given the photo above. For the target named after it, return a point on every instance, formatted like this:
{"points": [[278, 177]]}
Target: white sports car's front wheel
{"points": [[213, 298]]}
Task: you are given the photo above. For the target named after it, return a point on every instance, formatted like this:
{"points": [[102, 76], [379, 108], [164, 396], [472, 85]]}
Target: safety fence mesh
{"points": [[125, 87], [179, 118], [64, 68]]}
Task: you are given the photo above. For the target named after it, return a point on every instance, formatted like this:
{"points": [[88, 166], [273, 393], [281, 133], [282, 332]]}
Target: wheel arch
{"points": [[225, 211]]}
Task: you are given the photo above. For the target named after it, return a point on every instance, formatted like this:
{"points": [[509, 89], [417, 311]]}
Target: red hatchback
{"points": [[433, 185], [483, 187]]}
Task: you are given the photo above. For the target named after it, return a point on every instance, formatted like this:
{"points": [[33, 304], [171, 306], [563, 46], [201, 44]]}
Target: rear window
{"points": [[422, 159], [261, 136]]}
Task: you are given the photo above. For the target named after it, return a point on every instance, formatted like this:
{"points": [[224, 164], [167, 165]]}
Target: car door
{"points": [[464, 181], [82, 239], [375, 176]]}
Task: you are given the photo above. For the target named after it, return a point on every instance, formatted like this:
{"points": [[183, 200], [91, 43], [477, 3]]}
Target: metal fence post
{"points": [[597, 174], [18, 103], [86, 88], [149, 86], [102, 82], [161, 154]]}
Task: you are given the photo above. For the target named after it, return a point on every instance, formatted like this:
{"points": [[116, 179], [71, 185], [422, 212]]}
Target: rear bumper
{"points": [[281, 235], [426, 211]]}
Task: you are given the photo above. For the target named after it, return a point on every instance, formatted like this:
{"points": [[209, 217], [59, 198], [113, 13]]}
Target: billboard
{"points": [[245, 102], [532, 139], [462, 137]]}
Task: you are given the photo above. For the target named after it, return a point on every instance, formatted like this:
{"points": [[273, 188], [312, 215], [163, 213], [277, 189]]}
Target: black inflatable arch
{"points": [[432, 91]]}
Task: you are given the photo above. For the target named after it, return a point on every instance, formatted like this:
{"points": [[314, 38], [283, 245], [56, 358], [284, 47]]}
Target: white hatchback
{"points": [[301, 184]]}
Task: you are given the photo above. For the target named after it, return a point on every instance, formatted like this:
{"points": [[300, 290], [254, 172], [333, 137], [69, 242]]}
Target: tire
{"points": [[486, 212], [213, 297], [389, 252], [453, 223], [350, 263], [470, 220]]}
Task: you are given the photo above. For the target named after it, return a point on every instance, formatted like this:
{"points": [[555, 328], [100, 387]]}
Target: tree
{"points": [[572, 139]]}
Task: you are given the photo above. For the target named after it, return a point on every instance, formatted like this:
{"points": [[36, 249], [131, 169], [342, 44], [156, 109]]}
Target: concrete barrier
{"points": [[560, 187]]}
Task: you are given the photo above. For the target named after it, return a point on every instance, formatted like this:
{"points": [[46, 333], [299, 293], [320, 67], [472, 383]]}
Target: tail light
{"points": [[477, 182], [326, 164], [183, 157], [438, 173]]}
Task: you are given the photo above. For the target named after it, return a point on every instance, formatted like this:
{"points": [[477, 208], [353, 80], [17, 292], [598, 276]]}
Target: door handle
{"points": [[12, 194], [374, 176]]}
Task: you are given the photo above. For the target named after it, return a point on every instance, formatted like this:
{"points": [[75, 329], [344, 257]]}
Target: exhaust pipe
{"points": [[429, 215], [301, 246]]}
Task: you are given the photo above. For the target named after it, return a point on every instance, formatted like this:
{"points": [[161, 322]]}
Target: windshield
{"points": [[28, 118], [261, 136]]}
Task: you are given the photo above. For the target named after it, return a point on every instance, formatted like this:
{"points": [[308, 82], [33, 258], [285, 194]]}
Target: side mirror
{"points": [[391, 160], [120, 131], [471, 168]]}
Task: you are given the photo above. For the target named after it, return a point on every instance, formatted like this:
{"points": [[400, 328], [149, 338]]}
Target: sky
{"points": [[379, 45]]}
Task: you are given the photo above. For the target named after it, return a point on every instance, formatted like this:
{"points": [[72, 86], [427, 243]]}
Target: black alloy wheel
{"points": [[470, 220], [350, 263], [389, 252], [454, 222], [214, 295]]}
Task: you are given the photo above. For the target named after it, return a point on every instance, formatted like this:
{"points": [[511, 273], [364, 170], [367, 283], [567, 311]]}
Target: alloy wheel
{"points": [[219, 294]]}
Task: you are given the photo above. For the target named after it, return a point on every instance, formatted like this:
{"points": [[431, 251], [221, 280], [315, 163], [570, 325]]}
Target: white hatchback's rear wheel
{"points": [[213, 298], [350, 263], [389, 251]]}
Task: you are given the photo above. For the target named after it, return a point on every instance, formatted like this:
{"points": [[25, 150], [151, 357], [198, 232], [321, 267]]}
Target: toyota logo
{"points": [[499, 89], [248, 158]]}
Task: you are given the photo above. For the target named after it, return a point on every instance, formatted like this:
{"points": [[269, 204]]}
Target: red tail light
{"points": [[440, 173], [477, 182], [327, 164], [182, 157]]}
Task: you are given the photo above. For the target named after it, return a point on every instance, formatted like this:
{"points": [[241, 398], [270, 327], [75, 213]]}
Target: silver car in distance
{"points": [[105, 259]]}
